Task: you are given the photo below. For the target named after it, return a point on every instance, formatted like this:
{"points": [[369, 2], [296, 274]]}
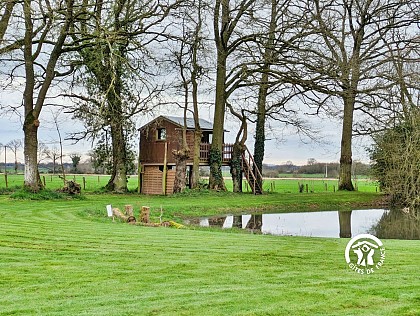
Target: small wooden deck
{"points": [[205, 153]]}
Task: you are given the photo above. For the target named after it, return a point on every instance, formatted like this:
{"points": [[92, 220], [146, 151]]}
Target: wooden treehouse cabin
{"points": [[161, 136]]}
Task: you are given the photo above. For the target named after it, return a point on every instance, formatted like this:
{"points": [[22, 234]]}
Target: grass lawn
{"points": [[64, 257]]}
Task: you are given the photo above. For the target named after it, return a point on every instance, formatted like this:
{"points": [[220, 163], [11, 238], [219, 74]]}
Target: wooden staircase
{"points": [[251, 172]]}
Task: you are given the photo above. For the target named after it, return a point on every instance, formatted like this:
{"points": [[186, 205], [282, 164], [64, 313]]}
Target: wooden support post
{"points": [[84, 183], [145, 214], [139, 178], [165, 158], [307, 188], [43, 181], [326, 186], [139, 169], [5, 179]]}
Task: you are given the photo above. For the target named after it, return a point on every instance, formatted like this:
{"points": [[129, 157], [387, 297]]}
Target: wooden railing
{"points": [[205, 152], [251, 171]]}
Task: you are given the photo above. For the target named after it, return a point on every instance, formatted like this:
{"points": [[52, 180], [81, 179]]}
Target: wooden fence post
{"points": [[84, 183], [43, 180], [5, 179]]}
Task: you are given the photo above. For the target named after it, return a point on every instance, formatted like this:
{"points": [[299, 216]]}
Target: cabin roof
{"points": [[179, 121]]}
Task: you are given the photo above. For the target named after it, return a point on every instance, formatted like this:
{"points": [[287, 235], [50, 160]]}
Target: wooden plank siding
{"points": [[152, 150], [152, 154], [170, 179], [152, 180]]}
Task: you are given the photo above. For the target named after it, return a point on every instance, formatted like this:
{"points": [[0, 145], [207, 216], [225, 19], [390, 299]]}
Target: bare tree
{"points": [[6, 7], [227, 22], [54, 154], [344, 58], [114, 58], [60, 141], [41, 152], [46, 26], [14, 146], [276, 99], [188, 55]]}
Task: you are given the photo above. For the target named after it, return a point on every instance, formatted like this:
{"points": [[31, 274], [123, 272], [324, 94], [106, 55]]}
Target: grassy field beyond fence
{"points": [[92, 183]]}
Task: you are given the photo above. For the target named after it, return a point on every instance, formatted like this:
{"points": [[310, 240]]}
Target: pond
{"points": [[382, 223]]}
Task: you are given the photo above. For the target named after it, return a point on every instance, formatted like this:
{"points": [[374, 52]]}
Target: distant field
{"points": [[96, 182]]}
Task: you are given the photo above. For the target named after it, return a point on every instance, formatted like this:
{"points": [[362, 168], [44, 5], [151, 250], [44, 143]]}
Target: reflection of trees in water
{"points": [[396, 224], [344, 219], [255, 222], [217, 221], [237, 221]]}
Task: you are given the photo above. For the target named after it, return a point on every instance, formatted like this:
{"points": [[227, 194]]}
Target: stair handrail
{"points": [[253, 162], [250, 170]]}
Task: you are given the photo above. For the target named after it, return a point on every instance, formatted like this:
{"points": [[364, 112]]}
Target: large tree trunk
{"points": [[181, 157], [346, 142], [32, 179], [236, 167], [195, 177], [259, 145], [118, 181], [216, 181]]}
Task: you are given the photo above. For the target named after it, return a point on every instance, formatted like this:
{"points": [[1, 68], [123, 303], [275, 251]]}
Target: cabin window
{"points": [[161, 133], [206, 137]]}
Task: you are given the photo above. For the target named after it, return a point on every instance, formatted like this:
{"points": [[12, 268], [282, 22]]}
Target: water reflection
{"points": [[398, 225], [382, 223]]}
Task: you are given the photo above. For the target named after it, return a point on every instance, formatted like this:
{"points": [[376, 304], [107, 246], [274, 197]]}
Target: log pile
{"points": [[71, 188], [144, 216]]}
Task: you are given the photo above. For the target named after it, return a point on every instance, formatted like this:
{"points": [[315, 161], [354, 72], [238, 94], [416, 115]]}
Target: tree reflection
{"points": [[397, 224], [344, 219]]}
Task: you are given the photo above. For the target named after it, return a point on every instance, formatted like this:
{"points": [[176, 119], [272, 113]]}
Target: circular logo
{"points": [[365, 254]]}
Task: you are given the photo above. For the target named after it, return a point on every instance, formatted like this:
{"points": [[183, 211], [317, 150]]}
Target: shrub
{"points": [[396, 161]]}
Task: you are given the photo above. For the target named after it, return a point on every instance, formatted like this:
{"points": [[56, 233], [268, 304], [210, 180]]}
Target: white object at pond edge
{"points": [[109, 210]]}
